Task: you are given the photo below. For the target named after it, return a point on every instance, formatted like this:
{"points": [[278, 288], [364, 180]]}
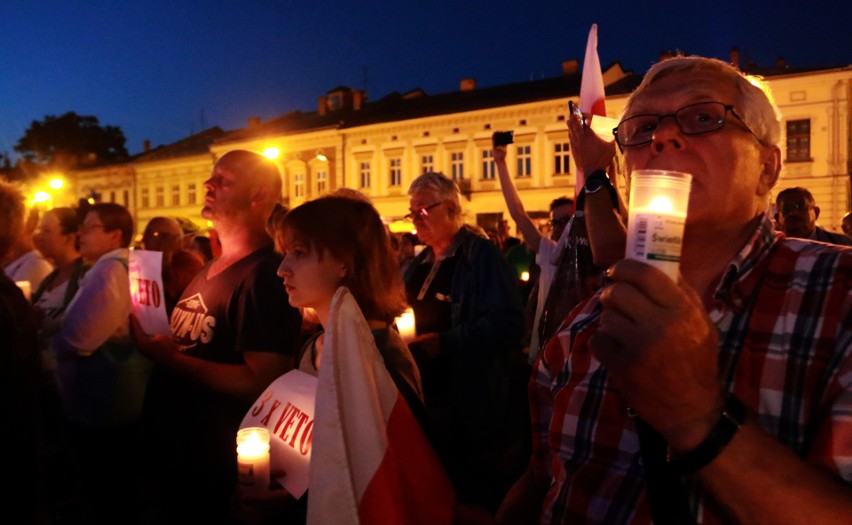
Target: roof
{"points": [[417, 104], [193, 145]]}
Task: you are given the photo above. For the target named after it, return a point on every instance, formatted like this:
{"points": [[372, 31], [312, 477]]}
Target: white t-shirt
{"points": [[31, 266], [546, 259]]}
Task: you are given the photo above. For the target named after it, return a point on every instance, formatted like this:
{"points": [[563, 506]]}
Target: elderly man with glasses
{"points": [[725, 396], [797, 216], [469, 326]]}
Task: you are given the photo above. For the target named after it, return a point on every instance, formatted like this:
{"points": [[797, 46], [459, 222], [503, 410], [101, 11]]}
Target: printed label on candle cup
{"points": [[656, 217], [656, 238]]}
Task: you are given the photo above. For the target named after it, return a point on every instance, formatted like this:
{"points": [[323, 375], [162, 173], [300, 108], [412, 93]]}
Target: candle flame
{"points": [[661, 204]]}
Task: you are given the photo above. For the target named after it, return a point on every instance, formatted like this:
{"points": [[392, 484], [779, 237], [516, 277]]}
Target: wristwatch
{"points": [[595, 182], [732, 418]]}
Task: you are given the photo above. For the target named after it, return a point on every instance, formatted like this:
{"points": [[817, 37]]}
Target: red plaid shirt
{"points": [[784, 315]]}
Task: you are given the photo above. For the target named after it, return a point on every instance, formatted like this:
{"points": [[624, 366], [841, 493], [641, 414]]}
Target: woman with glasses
{"points": [[56, 239]]}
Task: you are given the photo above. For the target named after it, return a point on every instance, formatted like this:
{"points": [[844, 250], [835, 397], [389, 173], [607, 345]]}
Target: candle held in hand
{"points": [[405, 323], [253, 458], [656, 218]]}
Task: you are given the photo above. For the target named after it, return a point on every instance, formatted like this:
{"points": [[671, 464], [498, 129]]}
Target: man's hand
{"points": [[590, 151], [661, 352], [158, 348], [500, 154]]}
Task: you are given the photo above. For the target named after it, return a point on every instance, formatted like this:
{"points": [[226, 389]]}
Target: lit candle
{"points": [[406, 325], [26, 288], [656, 218], [253, 458]]}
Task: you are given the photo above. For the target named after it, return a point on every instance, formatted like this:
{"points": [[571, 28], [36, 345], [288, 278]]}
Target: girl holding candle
{"points": [[338, 241]]}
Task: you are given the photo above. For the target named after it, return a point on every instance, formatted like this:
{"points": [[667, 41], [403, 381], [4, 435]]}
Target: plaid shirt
{"points": [[784, 315]]}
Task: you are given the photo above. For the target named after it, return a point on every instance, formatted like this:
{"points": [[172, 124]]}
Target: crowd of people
{"points": [[594, 389]]}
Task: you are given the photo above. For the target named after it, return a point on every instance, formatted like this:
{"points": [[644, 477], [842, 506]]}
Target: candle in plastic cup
{"points": [[406, 325], [26, 288], [253, 458], [657, 214]]}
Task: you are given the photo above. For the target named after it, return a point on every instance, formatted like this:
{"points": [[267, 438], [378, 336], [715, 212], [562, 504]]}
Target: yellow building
{"points": [[379, 147]]}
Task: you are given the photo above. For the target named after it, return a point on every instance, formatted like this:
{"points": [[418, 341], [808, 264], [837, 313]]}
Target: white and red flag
{"points": [[371, 462], [592, 96]]}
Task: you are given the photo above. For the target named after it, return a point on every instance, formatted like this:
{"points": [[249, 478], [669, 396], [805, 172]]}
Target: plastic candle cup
{"points": [[253, 458], [656, 218], [406, 325]]}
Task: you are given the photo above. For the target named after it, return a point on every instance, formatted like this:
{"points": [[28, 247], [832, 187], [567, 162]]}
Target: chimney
{"points": [[467, 84], [358, 98], [735, 57], [323, 105], [781, 63], [146, 146], [570, 67], [253, 121]]}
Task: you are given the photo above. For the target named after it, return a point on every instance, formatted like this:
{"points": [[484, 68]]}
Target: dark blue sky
{"points": [[164, 69]]}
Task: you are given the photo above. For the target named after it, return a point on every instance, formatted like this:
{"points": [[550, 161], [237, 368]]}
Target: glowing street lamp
{"points": [[272, 153]]}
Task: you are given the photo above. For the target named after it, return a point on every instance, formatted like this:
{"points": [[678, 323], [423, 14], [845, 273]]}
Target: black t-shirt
{"points": [[243, 308]]}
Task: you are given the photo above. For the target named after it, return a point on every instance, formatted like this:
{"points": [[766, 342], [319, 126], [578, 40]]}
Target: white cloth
{"points": [[370, 462], [100, 310], [31, 266], [546, 259]]}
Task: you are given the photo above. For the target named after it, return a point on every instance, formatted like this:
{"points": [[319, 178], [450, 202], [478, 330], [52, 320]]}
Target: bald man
{"points": [[233, 333]]}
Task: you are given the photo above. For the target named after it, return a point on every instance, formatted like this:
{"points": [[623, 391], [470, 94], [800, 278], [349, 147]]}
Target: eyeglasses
{"points": [[792, 207], [90, 227], [423, 212], [694, 119]]}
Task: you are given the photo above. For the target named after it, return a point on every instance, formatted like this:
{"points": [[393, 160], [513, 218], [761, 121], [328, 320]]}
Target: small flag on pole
{"points": [[371, 462], [592, 96]]}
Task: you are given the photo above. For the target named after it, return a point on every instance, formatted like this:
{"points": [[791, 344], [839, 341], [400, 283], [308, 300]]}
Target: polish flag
{"points": [[592, 96], [370, 460]]}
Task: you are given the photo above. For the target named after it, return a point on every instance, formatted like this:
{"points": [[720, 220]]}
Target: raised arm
{"points": [[513, 201], [607, 231]]}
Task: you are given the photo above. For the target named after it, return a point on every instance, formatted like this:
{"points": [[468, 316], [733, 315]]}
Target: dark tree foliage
{"points": [[71, 140]]}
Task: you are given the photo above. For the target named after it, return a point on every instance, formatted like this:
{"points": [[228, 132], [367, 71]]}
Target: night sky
{"points": [[164, 69]]}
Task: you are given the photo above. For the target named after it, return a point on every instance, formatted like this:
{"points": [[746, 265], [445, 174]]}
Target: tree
{"points": [[70, 140]]}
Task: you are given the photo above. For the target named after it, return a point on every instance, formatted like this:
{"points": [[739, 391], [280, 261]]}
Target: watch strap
{"points": [[732, 417]]}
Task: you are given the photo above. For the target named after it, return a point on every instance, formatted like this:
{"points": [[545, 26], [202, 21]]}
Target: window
{"points": [[365, 174], [457, 165], [799, 140], [298, 185], [396, 172], [112, 196], [175, 194], [191, 193], [126, 198], [160, 196], [561, 158], [427, 163], [322, 181], [146, 198], [488, 169], [524, 161]]}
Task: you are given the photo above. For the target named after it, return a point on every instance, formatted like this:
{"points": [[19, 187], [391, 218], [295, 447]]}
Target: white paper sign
{"points": [[146, 291], [286, 409]]}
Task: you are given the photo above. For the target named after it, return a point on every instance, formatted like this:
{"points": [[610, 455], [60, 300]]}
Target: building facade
{"points": [[379, 147]]}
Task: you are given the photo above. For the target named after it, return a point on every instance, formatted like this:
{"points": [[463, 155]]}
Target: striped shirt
{"points": [[784, 315]]}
